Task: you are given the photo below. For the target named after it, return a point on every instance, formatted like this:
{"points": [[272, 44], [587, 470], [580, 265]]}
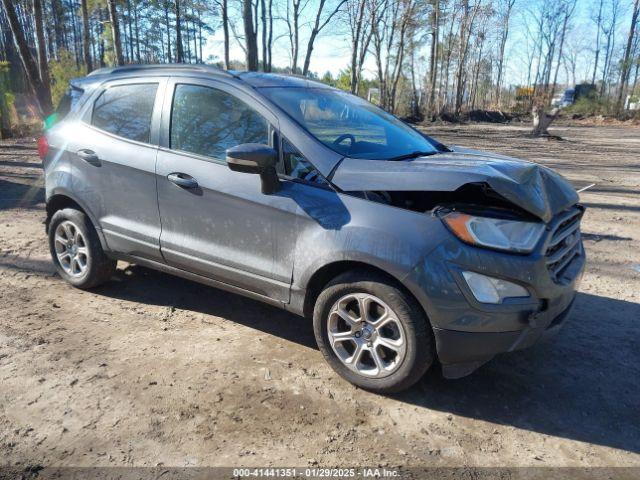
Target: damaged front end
{"points": [[506, 275], [459, 176]]}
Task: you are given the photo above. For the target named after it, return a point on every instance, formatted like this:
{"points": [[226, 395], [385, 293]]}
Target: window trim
{"points": [[86, 113]]}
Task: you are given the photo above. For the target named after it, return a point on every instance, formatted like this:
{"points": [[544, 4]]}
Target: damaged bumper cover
{"points": [[469, 333], [464, 352]]}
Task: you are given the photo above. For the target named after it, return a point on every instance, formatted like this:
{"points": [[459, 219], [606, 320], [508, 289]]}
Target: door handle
{"points": [[182, 180], [89, 156]]}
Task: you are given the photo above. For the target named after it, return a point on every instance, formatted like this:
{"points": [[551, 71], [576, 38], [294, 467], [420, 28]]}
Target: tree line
{"points": [[417, 58]]}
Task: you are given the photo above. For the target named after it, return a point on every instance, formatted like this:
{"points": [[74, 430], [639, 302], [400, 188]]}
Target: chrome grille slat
{"points": [[558, 237], [565, 262], [563, 245], [559, 255], [563, 217]]}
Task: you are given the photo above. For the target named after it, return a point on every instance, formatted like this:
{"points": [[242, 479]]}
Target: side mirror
{"points": [[256, 158]]}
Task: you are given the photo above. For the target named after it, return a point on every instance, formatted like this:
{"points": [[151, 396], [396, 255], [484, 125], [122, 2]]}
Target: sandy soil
{"points": [[154, 370]]}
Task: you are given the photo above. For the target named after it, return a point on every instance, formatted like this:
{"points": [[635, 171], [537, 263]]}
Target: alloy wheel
{"points": [[71, 249], [366, 335]]}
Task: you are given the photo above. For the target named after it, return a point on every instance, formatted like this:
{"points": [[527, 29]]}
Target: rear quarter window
{"points": [[68, 101], [126, 110]]}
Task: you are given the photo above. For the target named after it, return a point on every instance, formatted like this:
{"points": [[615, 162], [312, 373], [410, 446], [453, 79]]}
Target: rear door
{"points": [[221, 226], [113, 155]]}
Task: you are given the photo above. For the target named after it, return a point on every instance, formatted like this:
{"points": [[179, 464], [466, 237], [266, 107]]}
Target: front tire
{"points": [[373, 333], [76, 250]]}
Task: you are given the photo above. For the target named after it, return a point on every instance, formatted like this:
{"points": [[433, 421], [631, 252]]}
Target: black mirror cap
{"points": [[252, 158]]}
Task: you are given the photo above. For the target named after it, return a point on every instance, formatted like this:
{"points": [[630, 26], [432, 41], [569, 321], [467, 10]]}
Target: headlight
{"points": [[508, 235]]}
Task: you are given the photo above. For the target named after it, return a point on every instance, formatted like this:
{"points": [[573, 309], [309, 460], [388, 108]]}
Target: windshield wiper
{"points": [[415, 154]]}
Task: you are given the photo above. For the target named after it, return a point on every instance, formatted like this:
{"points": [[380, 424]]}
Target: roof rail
{"points": [[158, 66]]}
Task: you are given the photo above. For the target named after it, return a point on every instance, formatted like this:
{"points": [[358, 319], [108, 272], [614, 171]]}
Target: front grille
{"points": [[564, 242]]}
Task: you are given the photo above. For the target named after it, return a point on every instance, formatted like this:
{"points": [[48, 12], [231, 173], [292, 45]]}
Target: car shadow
{"points": [[581, 385], [19, 195], [597, 237], [140, 284]]}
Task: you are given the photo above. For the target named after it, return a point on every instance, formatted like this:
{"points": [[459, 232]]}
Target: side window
{"points": [[125, 110], [207, 121], [297, 166]]}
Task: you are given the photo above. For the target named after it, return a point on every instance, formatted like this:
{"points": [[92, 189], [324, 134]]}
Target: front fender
{"points": [[388, 238]]}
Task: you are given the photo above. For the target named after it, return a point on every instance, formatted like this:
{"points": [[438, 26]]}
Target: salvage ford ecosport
{"points": [[401, 249]]}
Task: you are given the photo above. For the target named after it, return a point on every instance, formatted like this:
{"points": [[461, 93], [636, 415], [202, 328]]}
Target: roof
{"points": [[253, 79], [260, 79], [170, 68]]}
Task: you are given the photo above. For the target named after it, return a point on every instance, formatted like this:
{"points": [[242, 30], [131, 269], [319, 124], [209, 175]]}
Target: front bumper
{"points": [[460, 353], [469, 333]]}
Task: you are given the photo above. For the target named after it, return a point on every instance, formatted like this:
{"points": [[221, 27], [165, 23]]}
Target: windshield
{"points": [[349, 125]]}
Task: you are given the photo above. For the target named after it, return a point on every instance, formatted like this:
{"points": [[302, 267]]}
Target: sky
{"points": [[332, 48]]}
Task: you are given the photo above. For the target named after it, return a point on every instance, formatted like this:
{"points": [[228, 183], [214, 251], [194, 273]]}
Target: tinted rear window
{"points": [[125, 110]]}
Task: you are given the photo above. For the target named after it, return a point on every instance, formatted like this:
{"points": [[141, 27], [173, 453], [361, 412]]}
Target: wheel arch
{"points": [[323, 275], [61, 200]]}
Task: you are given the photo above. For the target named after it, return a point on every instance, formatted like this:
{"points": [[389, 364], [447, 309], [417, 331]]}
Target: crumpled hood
{"points": [[530, 186]]}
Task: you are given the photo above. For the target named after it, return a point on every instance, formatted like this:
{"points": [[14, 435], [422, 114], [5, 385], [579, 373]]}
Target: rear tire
{"points": [[385, 351], [76, 250]]}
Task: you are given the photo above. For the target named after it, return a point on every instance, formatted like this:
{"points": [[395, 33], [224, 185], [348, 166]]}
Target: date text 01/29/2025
{"points": [[316, 472]]}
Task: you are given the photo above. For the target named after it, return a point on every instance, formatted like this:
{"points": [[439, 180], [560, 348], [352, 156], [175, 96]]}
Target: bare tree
{"points": [[43, 65], [433, 63], [179, 47], [361, 32], [225, 30], [506, 8], [269, 37], [568, 8], [264, 31], [318, 26], [626, 60], [575, 49], [404, 28], [165, 8], [40, 89], [609, 27], [598, 22], [86, 42], [292, 18], [223, 5], [553, 21], [115, 32], [469, 14], [251, 36]]}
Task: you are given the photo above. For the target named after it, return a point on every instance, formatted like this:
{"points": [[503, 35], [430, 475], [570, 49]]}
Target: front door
{"points": [[216, 222]]}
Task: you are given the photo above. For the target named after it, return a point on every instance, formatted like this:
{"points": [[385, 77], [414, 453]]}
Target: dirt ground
{"points": [[155, 370]]}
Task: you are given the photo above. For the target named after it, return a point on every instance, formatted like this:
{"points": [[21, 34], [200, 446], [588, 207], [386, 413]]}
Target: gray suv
{"points": [[404, 251]]}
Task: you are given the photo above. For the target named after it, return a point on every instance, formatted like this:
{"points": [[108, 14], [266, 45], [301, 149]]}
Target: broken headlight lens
{"points": [[498, 233]]}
